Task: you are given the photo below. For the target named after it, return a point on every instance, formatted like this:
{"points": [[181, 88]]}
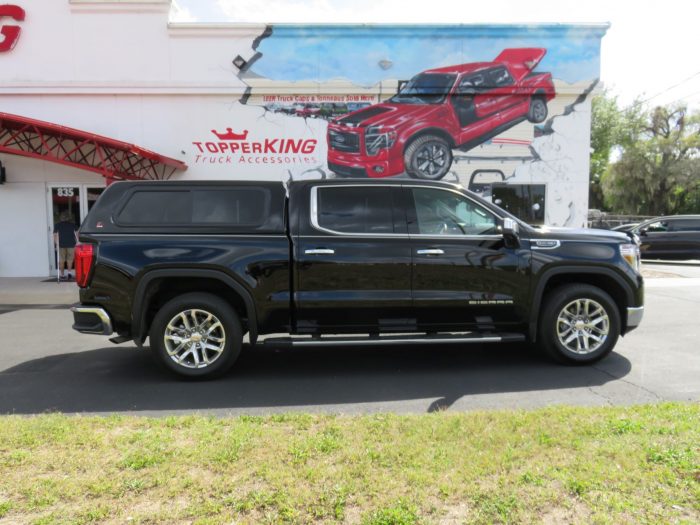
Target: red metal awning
{"points": [[113, 159]]}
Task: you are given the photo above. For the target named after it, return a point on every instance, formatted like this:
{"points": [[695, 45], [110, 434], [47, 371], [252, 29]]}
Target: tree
{"points": [[658, 171], [606, 120]]}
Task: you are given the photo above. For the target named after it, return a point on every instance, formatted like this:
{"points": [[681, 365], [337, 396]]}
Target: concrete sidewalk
{"points": [[34, 291]]}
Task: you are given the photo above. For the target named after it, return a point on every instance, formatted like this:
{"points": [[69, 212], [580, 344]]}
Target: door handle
{"points": [[319, 251], [433, 251]]}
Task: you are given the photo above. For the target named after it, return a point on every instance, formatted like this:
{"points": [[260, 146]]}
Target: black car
{"points": [[195, 265], [676, 237]]}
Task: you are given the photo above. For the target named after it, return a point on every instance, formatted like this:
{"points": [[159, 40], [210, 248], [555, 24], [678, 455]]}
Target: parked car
{"points": [[437, 111], [309, 111], [194, 266], [675, 237], [625, 227]]}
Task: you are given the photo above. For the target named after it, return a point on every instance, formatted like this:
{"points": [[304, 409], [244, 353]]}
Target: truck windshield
{"points": [[426, 88]]}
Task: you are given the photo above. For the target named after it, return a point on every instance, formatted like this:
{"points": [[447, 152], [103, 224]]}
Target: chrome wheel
{"points": [[583, 326], [432, 160], [194, 338]]}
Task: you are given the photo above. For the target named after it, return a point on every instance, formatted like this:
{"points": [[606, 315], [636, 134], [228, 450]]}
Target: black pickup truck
{"points": [[195, 266]]}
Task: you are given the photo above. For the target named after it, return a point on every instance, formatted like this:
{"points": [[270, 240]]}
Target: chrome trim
{"points": [[434, 251], [397, 341], [634, 316], [320, 251], [100, 313], [317, 226], [534, 246], [314, 212]]}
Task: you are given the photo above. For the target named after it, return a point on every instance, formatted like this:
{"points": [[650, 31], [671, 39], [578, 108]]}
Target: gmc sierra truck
{"points": [[194, 266]]}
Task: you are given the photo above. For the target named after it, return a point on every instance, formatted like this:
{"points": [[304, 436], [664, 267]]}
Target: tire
{"points": [[169, 331], [538, 110], [555, 336], [428, 157]]}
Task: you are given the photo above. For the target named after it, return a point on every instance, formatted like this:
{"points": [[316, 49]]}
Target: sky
{"points": [[650, 52]]}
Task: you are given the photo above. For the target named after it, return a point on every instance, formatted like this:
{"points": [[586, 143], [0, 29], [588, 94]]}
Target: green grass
{"points": [[556, 465]]}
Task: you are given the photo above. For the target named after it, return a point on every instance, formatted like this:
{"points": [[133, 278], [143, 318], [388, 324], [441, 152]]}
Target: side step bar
{"points": [[385, 340]]}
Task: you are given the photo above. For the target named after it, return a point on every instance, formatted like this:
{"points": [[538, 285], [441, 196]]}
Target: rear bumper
{"points": [[91, 320], [634, 317]]}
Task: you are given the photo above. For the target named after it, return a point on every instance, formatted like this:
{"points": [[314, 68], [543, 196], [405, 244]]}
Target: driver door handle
{"points": [[431, 251], [320, 251]]}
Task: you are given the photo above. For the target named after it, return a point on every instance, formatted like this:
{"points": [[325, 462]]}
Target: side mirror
{"points": [[510, 231], [643, 232]]}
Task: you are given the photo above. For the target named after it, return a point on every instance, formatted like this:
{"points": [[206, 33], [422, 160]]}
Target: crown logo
{"points": [[230, 135]]}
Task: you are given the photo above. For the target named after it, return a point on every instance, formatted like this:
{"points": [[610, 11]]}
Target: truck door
{"points": [[464, 277], [353, 259]]}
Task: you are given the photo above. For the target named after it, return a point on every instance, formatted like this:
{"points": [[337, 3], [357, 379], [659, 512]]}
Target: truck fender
{"points": [[138, 310], [548, 274]]}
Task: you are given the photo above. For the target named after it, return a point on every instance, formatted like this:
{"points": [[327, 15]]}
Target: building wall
{"points": [[119, 69]]}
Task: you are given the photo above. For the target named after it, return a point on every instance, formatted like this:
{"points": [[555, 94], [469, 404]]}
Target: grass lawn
{"points": [[556, 465]]}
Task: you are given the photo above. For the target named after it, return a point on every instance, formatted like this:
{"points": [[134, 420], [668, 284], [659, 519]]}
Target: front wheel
{"points": [[579, 324], [428, 157], [196, 335]]}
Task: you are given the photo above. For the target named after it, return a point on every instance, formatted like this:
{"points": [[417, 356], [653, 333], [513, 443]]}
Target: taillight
{"points": [[84, 256]]}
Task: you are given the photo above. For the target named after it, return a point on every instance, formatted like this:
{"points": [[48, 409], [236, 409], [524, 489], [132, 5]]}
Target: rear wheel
{"points": [[579, 324], [196, 335], [428, 157], [538, 110]]}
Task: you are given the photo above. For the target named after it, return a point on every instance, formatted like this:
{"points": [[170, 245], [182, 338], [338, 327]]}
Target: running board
{"points": [[412, 339]]}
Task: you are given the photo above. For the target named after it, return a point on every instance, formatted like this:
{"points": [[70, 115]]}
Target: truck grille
{"points": [[349, 142]]}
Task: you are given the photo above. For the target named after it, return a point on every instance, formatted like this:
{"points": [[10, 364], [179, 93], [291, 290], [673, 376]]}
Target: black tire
{"points": [[538, 110], [549, 327], [230, 329], [428, 157]]}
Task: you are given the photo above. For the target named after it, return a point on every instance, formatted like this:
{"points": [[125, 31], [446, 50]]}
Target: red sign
{"points": [[236, 148], [10, 33]]}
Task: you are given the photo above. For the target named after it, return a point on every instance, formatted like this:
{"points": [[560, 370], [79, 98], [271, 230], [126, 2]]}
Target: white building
{"points": [[243, 102]]}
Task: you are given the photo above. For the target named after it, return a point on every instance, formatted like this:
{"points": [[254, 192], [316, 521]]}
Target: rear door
{"points": [[464, 277], [353, 259], [685, 238]]}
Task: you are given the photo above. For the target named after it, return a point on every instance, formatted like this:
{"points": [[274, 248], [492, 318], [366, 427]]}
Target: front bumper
{"points": [[634, 317], [91, 320]]}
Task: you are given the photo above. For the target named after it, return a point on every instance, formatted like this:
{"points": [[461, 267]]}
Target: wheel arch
{"points": [[151, 293], [606, 279], [429, 131]]}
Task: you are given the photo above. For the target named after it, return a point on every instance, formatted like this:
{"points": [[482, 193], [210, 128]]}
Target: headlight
{"points": [[630, 253], [377, 138]]}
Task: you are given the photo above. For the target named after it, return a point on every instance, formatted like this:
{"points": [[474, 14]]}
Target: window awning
{"points": [[113, 159]]}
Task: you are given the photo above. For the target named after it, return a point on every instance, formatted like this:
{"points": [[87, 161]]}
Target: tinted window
{"points": [[440, 212], [355, 209], [426, 88], [684, 225], [241, 207], [234, 207]]}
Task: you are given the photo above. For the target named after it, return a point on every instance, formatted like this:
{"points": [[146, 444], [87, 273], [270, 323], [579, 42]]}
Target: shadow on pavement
{"points": [[126, 379]]}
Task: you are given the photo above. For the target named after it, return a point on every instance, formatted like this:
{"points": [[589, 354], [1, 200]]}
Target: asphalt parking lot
{"points": [[45, 367]]}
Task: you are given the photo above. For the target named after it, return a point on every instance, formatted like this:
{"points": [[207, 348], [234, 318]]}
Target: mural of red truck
{"points": [[437, 111]]}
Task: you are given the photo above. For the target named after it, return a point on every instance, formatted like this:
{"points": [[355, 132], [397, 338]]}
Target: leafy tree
{"points": [[606, 123], [658, 170]]}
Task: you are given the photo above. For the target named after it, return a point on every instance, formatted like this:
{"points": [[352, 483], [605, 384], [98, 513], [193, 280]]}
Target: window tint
{"points": [[222, 207], [242, 207], [355, 209], [471, 84], [441, 212], [685, 225]]}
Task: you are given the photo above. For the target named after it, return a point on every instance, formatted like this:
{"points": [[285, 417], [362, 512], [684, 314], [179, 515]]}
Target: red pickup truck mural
{"points": [[437, 111]]}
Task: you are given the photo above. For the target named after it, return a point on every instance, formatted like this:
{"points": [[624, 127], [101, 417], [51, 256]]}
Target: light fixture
{"points": [[239, 62]]}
